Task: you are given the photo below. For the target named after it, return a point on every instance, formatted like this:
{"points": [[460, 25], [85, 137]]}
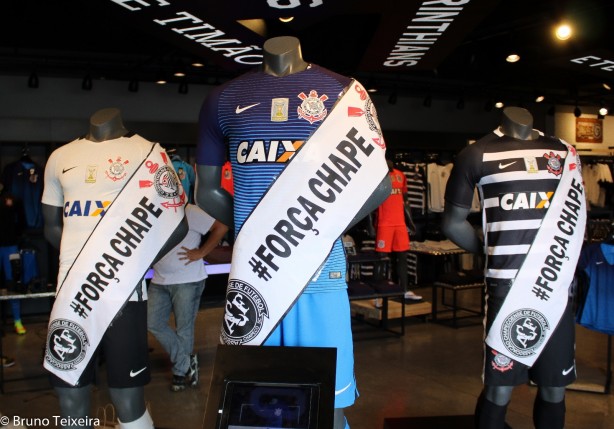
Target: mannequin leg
{"points": [[492, 406], [340, 421], [75, 403], [143, 422], [549, 408], [129, 402], [401, 269]]}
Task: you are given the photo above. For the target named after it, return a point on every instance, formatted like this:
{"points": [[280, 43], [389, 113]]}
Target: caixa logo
{"points": [[259, 151], [85, 208], [525, 200]]}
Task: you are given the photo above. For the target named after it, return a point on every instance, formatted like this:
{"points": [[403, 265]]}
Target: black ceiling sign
{"points": [[413, 34]]}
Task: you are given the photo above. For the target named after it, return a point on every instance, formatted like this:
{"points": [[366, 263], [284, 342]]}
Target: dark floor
{"points": [[433, 370]]}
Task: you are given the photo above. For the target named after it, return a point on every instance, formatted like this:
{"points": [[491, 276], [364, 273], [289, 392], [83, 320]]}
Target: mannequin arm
{"points": [[456, 227], [377, 197], [54, 224], [211, 197]]}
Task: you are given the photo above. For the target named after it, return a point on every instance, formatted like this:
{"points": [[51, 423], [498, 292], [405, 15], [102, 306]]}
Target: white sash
{"points": [[539, 295], [289, 234], [111, 263]]}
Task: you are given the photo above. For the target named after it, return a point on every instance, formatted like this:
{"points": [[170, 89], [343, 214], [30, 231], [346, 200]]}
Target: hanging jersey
{"points": [[186, 175], [24, 180], [516, 180], [596, 313], [392, 211], [264, 120], [226, 181]]}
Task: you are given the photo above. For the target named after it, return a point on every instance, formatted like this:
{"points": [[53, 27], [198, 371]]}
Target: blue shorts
{"points": [[323, 320]]}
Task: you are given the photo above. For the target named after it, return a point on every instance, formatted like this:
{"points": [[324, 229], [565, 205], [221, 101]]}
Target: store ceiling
{"points": [[461, 52]]}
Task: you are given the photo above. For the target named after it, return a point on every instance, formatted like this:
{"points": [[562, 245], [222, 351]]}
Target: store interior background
{"points": [[37, 120]]}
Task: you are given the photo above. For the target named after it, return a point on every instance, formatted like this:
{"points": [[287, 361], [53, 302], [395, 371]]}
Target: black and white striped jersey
{"points": [[516, 180]]}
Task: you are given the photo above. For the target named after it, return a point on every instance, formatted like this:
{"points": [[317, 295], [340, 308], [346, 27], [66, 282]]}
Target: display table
{"points": [[450, 281], [50, 295]]}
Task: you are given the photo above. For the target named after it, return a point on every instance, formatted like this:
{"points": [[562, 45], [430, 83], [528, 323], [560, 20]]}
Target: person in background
{"points": [[177, 285]]}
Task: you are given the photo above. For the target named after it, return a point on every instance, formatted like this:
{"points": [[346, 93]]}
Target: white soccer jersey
{"points": [[84, 177]]}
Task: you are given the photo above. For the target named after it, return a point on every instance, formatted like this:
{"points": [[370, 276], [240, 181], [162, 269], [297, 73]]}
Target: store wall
{"points": [[59, 109], [565, 128]]}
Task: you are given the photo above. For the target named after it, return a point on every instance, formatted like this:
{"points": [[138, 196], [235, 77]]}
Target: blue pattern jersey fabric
{"points": [[260, 121]]}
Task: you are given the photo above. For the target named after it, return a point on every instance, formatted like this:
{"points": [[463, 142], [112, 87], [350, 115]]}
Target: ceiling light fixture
{"points": [[563, 32], [371, 85], [539, 98], [197, 64], [33, 81], [512, 58], [161, 81], [286, 18], [488, 105], [603, 111], [499, 104], [87, 84], [606, 86], [577, 112]]}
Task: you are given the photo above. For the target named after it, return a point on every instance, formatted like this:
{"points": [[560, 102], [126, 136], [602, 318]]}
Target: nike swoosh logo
{"points": [[567, 371], [502, 166], [338, 392], [240, 109], [64, 170], [135, 373], [599, 263]]}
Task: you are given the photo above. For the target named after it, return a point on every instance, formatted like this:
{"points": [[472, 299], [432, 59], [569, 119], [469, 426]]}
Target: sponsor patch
{"points": [[90, 173], [530, 163], [279, 109]]}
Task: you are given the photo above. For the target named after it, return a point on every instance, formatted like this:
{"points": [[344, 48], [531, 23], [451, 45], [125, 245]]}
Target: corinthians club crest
{"points": [[166, 183]]}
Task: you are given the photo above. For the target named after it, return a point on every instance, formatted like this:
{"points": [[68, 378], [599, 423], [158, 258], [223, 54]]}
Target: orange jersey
{"points": [[392, 211]]}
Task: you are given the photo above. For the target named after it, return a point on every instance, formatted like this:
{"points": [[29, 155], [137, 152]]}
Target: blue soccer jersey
{"points": [[260, 121]]}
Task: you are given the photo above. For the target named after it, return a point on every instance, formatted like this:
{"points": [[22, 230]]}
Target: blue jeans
{"points": [[183, 300]]}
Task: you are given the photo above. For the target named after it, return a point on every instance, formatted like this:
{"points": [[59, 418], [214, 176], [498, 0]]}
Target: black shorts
{"points": [[555, 366], [125, 350]]}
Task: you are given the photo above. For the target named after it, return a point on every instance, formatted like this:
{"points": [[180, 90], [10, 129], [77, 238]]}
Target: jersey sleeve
{"points": [[211, 148], [52, 190], [464, 177]]}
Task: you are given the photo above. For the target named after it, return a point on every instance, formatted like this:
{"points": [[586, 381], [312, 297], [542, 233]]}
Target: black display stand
{"points": [[305, 369]]}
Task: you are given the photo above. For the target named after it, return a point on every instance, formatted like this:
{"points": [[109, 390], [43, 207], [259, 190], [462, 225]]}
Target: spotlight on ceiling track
{"points": [[512, 58], [577, 112], [87, 84], [183, 87], [133, 86], [551, 110], [488, 105], [33, 81]]}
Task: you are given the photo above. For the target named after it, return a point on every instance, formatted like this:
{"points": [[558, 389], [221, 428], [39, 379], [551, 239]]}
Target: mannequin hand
{"points": [[189, 255]]}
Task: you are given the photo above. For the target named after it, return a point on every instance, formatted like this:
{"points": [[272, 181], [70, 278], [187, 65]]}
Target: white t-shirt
{"points": [[170, 270]]}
